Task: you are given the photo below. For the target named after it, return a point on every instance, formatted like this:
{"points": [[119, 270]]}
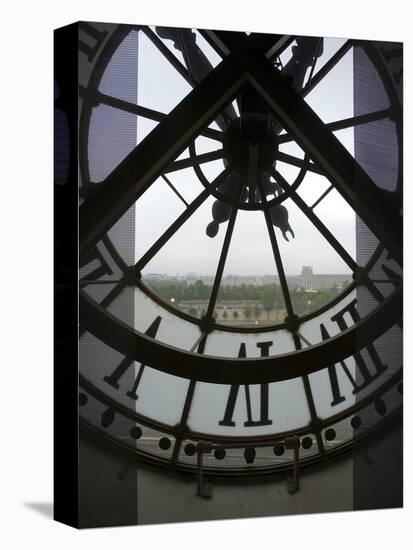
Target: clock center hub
{"points": [[239, 138]]}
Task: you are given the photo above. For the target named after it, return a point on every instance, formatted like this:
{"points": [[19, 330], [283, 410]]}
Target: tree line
{"points": [[269, 296]]}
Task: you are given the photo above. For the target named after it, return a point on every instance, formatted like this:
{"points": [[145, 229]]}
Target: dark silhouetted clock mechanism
{"points": [[191, 392]]}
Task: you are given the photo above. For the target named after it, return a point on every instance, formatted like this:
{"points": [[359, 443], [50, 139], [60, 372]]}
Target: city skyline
{"points": [[195, 274]]}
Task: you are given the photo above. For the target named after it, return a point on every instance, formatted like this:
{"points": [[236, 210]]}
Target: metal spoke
{"points": [[276, 252], [174, 189], [184, 52], [322, 196], [309, 395], [377, 294], [326, 68], [172, 229], [315, 422], [222, 259], [98, 97], [146, 162], [298, 162], [278, 263], [85, 282], [316, 221], [199, 159], [169, 56], [184, 417], [108, 299], [320, 42], [290, 312], [304, 339], [200, 344], [350, 122], [343, 171], [360, 119]]}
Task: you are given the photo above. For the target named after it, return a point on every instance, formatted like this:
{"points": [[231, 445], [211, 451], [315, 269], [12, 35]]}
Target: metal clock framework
{"points": [[276, 396]]}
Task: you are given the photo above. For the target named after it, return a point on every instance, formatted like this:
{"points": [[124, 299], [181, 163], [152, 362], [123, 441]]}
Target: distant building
{"points": [[159, 277], [238, 280], [308, 280]]}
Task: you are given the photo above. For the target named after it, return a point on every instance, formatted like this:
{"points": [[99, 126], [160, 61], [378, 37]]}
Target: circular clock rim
{"points": [[223, 370], [115, 40]]}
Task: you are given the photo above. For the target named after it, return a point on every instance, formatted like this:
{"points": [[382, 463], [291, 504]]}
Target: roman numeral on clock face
{"points": [[393, 277], [92, 257], [92, 41], [233, 394], [120, 370], [364, 376]]}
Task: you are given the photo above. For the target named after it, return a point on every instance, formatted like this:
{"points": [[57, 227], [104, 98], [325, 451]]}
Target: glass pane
{"points": [[330, 47], [237, 420], [155, 211], [160, 86], [109, 140], [383, 357], [119, 78], [250, 294], [228, 344], [340, 219], [172, 329], [188, 260], [186, 183], [161, 396], [310, 330], [337, 84]]}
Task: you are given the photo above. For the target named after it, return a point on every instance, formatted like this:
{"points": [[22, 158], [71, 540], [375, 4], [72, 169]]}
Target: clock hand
{"points": [[304, 54], [279, 218], [198, 65], [220, 210]]}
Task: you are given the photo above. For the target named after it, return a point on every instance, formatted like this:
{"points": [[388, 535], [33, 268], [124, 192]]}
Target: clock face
{"points": [[239, 282]]}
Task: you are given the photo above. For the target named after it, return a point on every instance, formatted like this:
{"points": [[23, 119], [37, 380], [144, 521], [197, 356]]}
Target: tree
{"points": [[190, 293], [225, 315], [247, 312], [201, 290], [235, 314], [268, 299]]}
